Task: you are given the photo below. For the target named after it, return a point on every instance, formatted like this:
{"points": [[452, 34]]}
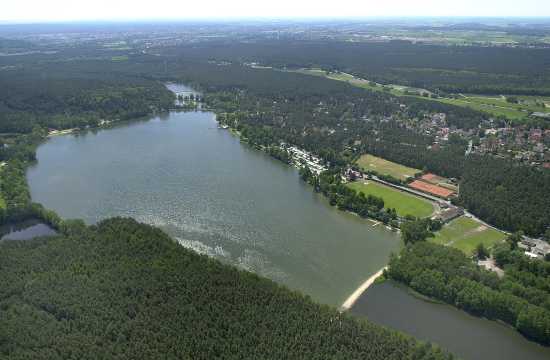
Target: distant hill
{"points": [[123, 290]]}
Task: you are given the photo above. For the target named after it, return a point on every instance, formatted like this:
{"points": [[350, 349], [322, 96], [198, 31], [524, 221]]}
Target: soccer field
{"points": [[385, 167], [403, 203], [465, 234]]}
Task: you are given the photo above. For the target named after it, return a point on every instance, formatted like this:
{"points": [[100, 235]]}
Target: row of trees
{"points": [[123, 290], [345, 198]]}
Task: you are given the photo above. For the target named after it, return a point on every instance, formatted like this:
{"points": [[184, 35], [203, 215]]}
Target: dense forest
{"points": [[123, 290], [67, 94], [521, 298], [468, 69]]}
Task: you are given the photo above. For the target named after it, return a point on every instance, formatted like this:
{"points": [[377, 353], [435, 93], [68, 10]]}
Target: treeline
{"points": [[62, 94], [330, 184], [510, 196], [455, 69], [520, 299], [17, 155], [123, 290]]}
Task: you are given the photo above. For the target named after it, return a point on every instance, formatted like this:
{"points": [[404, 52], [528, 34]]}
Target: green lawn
{"points": [[385, 167], [465, 234], [404, 204]]}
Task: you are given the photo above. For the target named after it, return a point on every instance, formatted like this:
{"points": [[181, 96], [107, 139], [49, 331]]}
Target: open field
{"points": [[497, 105], [362, 83], [465, 234], [403, 203], [508, 112], [385, 167], [492, 104], [461, 36]]}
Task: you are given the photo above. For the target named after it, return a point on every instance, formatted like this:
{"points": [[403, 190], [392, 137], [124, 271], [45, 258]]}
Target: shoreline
{"points": [[350, 301], [235, 132]]}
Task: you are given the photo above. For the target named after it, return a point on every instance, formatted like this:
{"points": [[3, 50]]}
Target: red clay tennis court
{"points": [[431, 189]]}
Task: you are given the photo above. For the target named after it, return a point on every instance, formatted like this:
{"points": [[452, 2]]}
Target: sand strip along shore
{"points": [[360, 290]]}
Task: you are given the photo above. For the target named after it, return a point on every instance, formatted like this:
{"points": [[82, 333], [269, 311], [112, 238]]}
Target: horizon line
{"points": [[264, 19]]}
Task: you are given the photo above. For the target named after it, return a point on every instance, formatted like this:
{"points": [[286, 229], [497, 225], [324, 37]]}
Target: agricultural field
{"points": [[465, 234], [403, 203], [462, 37], [373, 163]]}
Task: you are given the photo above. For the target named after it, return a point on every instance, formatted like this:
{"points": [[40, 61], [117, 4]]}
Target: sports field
{"points": [[465, 234], [403, 203], [385, 167]]}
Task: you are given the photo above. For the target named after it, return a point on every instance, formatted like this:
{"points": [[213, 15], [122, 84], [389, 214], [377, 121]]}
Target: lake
{"points": [[25, 230], [214, 195], [466, 336]]}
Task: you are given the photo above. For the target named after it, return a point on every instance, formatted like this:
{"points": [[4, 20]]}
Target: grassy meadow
{"points": [[385, 167], [465, 234]]}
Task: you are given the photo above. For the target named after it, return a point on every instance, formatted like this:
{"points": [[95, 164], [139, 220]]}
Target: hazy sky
{"points": [[56, 10]]}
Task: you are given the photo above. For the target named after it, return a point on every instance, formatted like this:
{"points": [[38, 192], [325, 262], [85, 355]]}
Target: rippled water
{"points": [[214, 195]]}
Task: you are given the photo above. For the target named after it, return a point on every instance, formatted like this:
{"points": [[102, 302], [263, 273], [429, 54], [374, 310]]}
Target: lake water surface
{"points": [[466, 336], [26, 230], [214, 195]]}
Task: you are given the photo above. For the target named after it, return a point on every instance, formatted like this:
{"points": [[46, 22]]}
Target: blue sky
{"points": [[60, 10]]}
